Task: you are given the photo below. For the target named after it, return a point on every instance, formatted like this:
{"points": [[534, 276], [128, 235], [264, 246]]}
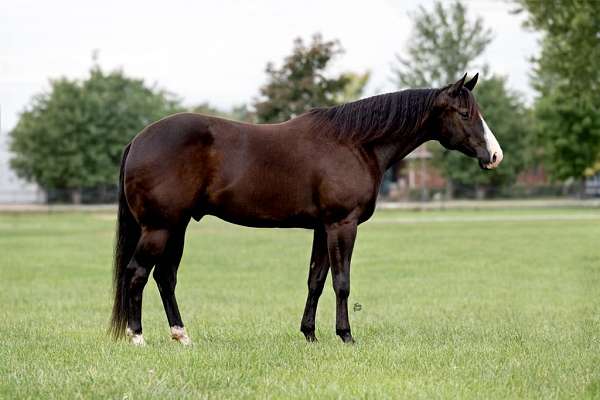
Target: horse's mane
{"points": [[379, 116]]}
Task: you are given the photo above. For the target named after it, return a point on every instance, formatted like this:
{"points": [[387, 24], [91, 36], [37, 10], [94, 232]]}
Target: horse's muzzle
{"points": [[493, 161]]}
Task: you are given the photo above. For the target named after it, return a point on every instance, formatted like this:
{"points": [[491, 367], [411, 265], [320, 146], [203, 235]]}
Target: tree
{"points": [[237, 113], [443, 46], [567, 78], [72, 137], [302, 83], [241, 112], [510, 120], [354, 87]]}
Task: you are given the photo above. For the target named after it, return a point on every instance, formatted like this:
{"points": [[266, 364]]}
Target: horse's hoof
{"points": [[310, 337], [346, 337], [136, 339], [179, 334]]}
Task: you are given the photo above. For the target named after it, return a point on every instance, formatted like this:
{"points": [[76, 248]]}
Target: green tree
{"points": [[72, 136], [567, 78], [242, 112], [354, 87], [511, 122], [208, 109], [302, 82], [443, 46], [237, 113]]}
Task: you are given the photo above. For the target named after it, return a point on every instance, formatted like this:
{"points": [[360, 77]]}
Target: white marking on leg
{"points": [[179, 334], [137, 339], [492, 146]]}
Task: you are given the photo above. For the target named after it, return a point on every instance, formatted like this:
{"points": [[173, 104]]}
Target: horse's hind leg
{"points": [[149, 249], [165, 276], [317, 274]]}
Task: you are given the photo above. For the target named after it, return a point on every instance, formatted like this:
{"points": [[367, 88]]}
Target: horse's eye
{"points": [[463, 114]]}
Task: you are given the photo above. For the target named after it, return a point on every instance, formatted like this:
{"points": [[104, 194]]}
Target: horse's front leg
{"points": [[317, 274], [340, 242]]}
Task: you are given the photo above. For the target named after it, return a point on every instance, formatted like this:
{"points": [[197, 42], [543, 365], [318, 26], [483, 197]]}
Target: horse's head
{"points": [[460, 126]]}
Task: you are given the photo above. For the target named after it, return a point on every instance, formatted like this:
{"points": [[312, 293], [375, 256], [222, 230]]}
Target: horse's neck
{"points": [[389, 152]]}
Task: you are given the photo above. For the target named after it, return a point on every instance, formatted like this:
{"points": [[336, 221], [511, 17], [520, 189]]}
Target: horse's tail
{"points": [[128, 235]]}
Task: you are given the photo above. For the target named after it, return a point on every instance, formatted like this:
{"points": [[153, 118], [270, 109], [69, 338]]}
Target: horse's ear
{"points": [[454, 90], [471, 84]]}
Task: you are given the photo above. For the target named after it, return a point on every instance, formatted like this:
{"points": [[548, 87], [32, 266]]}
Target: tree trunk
{"points": [[480, 192], [424, 188], [581, 188], [76, 196], [449, 189]]}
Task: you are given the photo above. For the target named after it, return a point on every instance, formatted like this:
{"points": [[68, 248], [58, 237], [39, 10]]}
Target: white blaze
{"points": [[492, 146]]}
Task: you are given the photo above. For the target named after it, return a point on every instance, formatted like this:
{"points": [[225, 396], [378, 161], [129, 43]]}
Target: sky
{"points": [[216, 51]]}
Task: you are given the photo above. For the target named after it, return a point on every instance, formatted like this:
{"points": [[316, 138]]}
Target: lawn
{"points": [[456, 304]]}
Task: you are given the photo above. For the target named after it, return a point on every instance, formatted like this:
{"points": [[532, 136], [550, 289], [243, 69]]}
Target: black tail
{"points": [[128, 235]]}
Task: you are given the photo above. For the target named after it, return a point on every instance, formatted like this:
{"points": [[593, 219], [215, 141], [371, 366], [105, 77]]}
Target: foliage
{"points": [[302, 82], [354, 87], [442, 47], [208, 109], [237, 113], [510, 121], [569, 132], [242, 112], [567, 77], [73, 136]]}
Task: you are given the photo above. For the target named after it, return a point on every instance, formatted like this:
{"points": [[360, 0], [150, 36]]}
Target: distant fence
{"points": [[592, 186], [489, 204], [98, 195], [22, 196], [591, 189]]}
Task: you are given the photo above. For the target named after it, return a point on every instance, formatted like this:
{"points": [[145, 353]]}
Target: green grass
{"points": [[451, 308]]}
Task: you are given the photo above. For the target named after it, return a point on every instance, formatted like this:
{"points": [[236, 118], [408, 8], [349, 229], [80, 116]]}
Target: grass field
{"points": [[461, 304]]}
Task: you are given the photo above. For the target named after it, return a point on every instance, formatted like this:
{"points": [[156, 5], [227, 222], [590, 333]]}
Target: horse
{"points": [[320, 170]]}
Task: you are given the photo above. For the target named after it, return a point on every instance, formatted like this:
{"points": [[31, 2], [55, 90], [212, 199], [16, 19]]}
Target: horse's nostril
{"points": [[494, 157]]}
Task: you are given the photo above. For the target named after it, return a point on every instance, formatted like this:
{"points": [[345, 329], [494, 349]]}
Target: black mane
{"points": [[379, 116]]}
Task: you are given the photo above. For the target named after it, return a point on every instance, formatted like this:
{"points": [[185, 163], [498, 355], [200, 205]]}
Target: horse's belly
{"points": [[271, 207], [253, 221], [261, 217]]}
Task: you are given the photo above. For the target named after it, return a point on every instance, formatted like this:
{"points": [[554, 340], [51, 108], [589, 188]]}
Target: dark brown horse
{"points": [[319, 171]]}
